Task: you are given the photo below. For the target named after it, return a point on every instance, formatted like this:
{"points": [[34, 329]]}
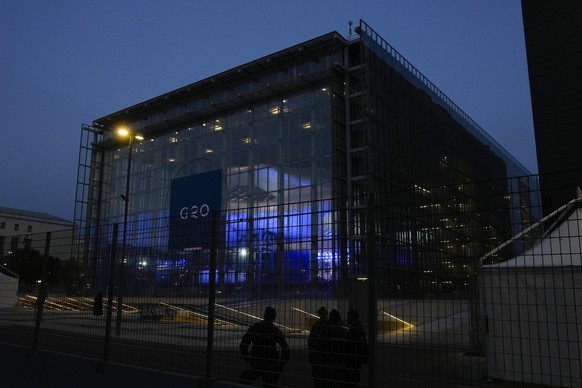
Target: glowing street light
{"points": [[124, 132]]}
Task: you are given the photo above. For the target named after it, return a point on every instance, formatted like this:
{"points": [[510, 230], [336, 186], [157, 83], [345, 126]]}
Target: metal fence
{"points": [[465, 286]]}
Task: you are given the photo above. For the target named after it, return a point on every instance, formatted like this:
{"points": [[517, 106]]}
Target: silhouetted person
{"points": [[315, 345], [264, 360], [356, 349], [333, 342], [98, 305]]}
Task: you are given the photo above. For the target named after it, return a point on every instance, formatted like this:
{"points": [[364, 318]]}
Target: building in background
{"points": [[25, 229], [553, 36], [299, 150]]}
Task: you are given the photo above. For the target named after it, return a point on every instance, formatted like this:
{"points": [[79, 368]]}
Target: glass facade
{"points": [[445, 192], [275, 162], [329, 153], [273, 153]]}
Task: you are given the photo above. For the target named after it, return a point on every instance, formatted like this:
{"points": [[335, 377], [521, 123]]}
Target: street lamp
{"points": [[124, 132]]}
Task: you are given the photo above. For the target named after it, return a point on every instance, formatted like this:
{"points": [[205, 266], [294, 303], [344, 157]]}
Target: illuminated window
{"points": [[217, 126]]}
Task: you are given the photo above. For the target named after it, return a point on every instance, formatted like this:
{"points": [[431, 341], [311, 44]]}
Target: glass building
{"points": [[308, 154]]}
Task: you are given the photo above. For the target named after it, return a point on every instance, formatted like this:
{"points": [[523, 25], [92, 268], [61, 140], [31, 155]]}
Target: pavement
{"points": [[428, 354]]}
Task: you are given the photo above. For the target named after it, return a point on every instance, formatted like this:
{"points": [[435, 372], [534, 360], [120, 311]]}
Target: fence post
{"points": [[110, 286], [372, 305], [211, 293], [39, 307]]}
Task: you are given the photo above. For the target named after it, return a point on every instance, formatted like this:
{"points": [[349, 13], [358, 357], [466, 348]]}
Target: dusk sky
{"points": [[65, 63]]}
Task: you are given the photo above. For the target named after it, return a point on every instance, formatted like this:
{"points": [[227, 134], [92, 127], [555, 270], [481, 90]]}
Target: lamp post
{"points": [[125, 197]]}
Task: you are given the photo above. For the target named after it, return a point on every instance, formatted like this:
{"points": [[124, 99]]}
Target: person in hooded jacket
{"points": [[264, 361], [356, 349], [315, 345], [333, 348]]}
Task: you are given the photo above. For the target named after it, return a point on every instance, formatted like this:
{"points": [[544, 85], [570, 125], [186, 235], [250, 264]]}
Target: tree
{"points": [[27, 264]]}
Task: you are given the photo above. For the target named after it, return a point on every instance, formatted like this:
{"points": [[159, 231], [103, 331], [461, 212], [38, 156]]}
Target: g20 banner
{"points": [[193, 199]]}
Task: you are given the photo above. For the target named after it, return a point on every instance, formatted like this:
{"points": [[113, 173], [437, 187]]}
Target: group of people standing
{"points": [[336, 351]]}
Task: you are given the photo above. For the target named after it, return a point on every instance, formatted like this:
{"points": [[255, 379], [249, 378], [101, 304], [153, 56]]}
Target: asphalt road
{"points": [[181, 348]]}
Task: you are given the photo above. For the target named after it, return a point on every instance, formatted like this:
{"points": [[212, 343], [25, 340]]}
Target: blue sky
{"points": [[65, 63]]}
